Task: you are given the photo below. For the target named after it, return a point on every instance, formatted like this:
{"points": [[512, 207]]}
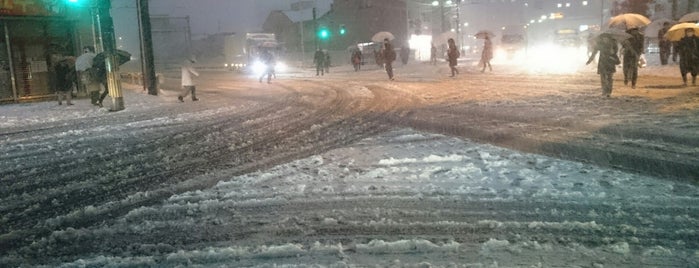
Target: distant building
{"points": [[361, 19]]}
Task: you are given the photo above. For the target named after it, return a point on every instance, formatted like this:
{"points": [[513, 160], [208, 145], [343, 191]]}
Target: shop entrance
{"points": [[29, 49]]}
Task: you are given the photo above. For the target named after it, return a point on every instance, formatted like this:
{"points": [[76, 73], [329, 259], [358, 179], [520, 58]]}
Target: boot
{"points": [[194, 96], [94, 97]]}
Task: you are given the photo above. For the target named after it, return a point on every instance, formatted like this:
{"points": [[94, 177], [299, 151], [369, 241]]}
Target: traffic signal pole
{"points": [[106, 24], [147, 58]]}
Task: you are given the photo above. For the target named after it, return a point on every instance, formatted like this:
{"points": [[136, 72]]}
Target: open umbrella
{"points": [[122, 57], [655, 26], [617, 34], [628, 21], [691, 17], [101, 70], [483, 33], [676, 32], [380, 36]]}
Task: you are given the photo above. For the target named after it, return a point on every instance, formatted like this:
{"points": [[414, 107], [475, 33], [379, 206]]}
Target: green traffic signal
{"points": [[343, 31], [73, 1], [324, 34]]}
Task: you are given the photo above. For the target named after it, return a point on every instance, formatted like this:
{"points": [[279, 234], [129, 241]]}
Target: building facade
{"points": [[361, 19], [34, 36]]}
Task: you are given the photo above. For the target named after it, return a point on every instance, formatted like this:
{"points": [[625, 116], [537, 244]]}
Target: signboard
{"points": [[29, 7]]}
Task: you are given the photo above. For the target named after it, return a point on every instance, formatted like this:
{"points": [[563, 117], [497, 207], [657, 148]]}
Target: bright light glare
{"points": [[435, 3], [551, 58], [280, 67], [258, 68], [421, 44]]}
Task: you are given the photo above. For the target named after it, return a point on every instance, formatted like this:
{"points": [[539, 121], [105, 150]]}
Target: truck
{"points": [[242, 51], [513, 41]]}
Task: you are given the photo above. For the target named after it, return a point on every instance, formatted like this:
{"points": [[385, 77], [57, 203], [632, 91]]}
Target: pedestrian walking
{"points": [[319, 60], [433, 55], [65, 79], [688, 48], [269, 61], [664, 45], [487, 53], [389, 56], [357, 60], [608, 59], [188, 84], [633, 49], [326, 63], [86, 74], [404, 54], [453, 56]]}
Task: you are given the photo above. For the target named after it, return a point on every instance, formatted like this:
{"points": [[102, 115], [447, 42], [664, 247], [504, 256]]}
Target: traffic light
{"points": [[343, 30], [73, 2], [323, 33]]}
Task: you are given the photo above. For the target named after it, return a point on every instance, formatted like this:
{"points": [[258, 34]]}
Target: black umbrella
{"points": [[122, 57], [101, 70]]}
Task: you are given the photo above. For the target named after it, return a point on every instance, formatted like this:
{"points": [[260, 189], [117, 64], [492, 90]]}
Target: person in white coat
{"points": [[187, 81]]}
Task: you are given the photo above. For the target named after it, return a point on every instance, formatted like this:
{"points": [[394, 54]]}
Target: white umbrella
{"points": [[380, 36], [483, 33], [84, 62], [629, 21], [691, 17], [677, 32]]}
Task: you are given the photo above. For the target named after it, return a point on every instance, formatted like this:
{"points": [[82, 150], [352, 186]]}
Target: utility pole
{"points": [[109, 45], [315, 29], [147, 58]]}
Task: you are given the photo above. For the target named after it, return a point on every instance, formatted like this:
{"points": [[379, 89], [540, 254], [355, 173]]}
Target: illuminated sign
{"points": [[29, 7]]}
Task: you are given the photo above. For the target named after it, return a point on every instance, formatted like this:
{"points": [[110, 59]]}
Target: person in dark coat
{"points": [[357, 60], [487, 54], [633, 48], [319, 60], [688, 48], [269, 61], [608, 59], [664, 45], [453, 56], [389, 56], [404, 54], [326, 63], [65, 78]]}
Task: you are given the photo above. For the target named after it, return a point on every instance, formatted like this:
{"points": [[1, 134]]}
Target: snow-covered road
{"points": [[344, 172]]}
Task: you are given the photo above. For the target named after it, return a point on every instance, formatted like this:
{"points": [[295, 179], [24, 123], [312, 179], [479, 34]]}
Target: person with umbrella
{"points": [[389, 55], [487, 53], [83, 65], [607, 48], [100, 70], [689, 55], [633, 48], [453, 56], [664, 45]]}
